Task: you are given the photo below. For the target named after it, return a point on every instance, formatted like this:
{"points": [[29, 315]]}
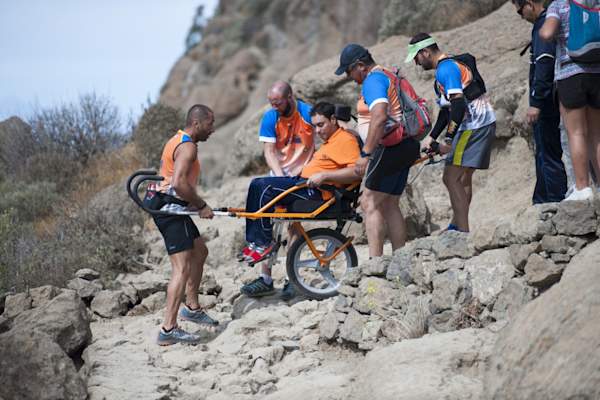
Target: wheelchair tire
{"points": [[304, 270]]}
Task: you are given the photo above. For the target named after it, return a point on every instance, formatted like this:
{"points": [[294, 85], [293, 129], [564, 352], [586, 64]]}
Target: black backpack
{"points": [[476, 88]]}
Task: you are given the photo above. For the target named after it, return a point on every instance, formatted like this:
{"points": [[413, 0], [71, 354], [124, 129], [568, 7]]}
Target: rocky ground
{"points": [[442, 317]]}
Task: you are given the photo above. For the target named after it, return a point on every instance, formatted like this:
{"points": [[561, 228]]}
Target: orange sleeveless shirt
{"points": [[167, 164]]}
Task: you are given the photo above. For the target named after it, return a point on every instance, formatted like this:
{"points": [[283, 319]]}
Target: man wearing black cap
{"points": [[384, 164]]}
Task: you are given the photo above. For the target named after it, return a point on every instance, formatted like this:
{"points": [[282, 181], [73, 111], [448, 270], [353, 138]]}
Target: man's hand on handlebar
{"points": [[206, 212], [430, 146]]}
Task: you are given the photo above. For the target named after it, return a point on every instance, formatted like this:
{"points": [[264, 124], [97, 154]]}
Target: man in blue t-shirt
{"points": [[287, 135], [385, 168], [466, 116]]}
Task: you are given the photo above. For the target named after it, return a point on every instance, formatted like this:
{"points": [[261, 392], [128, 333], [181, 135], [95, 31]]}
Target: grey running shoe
{"points": [[198, 316], [257, 288], [288, 292], [176, 335]]}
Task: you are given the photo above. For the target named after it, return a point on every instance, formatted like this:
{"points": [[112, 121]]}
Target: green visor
{"points": [[413, 49]]}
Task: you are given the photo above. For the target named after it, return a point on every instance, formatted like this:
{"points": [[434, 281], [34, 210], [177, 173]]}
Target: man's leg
{"points": [[539, 192], [458, 196], [467, 182], [395, 223], [375, 221], [554, 173], [261, 192], [181, 267], [200, 252]]}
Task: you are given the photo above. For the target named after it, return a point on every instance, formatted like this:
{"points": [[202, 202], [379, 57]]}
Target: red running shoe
{"points": [[260, 253], [246, 251]]}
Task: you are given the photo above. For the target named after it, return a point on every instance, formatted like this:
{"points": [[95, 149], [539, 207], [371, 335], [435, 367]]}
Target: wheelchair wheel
{"points": [[306, 273]]}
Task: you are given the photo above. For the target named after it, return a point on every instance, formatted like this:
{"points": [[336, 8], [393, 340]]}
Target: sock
{"points": [[266, 278], [166, 330]]}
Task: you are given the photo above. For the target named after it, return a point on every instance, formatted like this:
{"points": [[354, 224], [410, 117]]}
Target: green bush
{"points": [[158, 123], [29, 201]]}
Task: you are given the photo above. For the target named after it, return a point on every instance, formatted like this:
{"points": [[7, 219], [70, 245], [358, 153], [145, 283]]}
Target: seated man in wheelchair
{"points": [[333, 163]]}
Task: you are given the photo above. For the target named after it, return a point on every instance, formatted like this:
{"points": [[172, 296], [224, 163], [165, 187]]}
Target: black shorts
{"points": [[579, 91], [389, 167], [178, 231]]}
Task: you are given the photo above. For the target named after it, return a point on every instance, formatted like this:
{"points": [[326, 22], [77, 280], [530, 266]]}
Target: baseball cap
{"points": [[351, 53]]}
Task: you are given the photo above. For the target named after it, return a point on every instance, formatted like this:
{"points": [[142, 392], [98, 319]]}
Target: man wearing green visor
{"points": [[466, 116]]}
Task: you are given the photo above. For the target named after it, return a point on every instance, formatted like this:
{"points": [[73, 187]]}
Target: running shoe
{"points": [[257, 288], [288, 292], [246, 251], [197, 316], [260, 253], [580, 195], [176, 335]]}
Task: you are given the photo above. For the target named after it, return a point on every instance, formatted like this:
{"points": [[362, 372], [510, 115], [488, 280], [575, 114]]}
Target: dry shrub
{"points": [[46, 235], [59, 141], [98, 236], [104, 171], [158, 123]]}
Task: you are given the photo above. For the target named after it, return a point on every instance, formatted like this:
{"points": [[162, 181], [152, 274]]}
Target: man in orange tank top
{"points": [[186, 248]]}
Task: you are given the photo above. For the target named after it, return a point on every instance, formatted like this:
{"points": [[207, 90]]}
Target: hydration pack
{"points": [[583, 45], [415, 121], [476, 88]]}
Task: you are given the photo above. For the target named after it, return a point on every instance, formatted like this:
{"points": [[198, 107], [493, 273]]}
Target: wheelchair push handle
{"points": [[133, 188]]}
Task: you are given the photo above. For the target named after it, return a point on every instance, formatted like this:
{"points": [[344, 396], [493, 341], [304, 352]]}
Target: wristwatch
{"points": [[364, 154]]}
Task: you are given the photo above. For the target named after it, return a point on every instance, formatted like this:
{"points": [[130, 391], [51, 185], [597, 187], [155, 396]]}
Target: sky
{"points": [[51, 52]]}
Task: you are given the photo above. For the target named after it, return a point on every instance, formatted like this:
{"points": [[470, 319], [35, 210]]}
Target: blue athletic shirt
{"points": [[293, 137], [452, 78], [267, 132], [376, 89]]}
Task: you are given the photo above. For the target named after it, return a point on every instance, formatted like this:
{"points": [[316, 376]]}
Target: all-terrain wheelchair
{"points": [[319, 258]]}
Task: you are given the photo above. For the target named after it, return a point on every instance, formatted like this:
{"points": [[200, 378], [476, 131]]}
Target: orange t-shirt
{"points": [[167, 164], [340, 151]]}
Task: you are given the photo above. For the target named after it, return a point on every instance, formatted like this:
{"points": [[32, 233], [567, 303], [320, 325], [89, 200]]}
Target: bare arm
{"points": [[345, 176], [185, 156], [550, 29], [376, 127], [270, 152]]}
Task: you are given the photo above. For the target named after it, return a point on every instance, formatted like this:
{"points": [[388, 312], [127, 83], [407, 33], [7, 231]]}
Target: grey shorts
{"points": [[472, 148]]}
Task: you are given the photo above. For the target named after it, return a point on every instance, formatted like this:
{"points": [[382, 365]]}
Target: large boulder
{"points": [[441, 366], [34, 367], [65, 319], [552, 349]]}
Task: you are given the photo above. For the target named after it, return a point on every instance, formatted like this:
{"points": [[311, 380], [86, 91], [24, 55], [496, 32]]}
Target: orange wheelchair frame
{"points": [[341, 207]]}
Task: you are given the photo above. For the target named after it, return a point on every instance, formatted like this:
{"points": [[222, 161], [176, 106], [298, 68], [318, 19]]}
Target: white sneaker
{"points": [[578, 195]]}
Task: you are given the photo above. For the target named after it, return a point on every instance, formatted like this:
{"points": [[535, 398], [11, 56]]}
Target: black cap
{"points": [[351, 53]]}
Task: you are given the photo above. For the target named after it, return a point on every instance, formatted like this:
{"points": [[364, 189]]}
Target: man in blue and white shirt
{"points": [[466, 116]]}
